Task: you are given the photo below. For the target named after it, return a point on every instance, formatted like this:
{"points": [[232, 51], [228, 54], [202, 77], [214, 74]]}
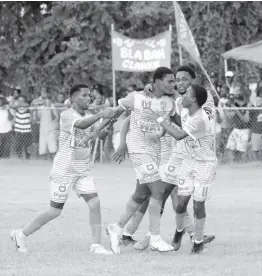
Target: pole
{"points": [[225, 65], [180, 55], [113, 70], [170, 33]]}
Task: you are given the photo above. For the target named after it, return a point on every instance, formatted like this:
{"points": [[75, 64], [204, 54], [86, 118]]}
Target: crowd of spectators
{"points": [[239, 120], [30, 129]]}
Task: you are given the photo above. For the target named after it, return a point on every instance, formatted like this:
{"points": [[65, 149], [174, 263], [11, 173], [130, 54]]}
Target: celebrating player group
{"points": [[158, 119]]}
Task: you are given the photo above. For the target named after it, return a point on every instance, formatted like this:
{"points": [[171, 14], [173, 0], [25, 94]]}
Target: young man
{"points": [[71, 167], [22, 127], [145, 156], [171, 159], [240, 135], [197, 173]]}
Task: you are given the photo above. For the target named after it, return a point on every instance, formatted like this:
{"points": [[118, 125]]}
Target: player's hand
{"points": [[91, 138], [148, 89], [119, 154], [109, 113]]}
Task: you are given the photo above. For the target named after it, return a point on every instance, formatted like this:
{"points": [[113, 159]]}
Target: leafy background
{"points": [[55, 44]]}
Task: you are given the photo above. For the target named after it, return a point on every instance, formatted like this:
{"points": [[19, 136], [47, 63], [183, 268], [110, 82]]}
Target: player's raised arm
{"points": [[88, 121]]}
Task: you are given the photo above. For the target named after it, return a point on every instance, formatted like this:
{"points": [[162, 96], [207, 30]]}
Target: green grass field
{"points": [[234, 214]]}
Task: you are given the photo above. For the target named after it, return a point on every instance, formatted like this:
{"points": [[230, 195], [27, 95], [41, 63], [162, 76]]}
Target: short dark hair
{"points": [[18, 91], [200, 94], [161, 72], [76, 88], [188, 69]]}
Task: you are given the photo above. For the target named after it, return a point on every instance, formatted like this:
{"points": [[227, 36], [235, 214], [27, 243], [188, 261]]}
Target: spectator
{"points": [[214, 79], [239, 137], [14, 96], [235, 87], [256, 127], [45, 114], [5, 128], [40, 101], [226, 119], [22, 129]]}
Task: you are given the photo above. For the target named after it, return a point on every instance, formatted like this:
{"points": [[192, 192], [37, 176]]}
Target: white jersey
{"points": [[198, 144], [141, 122], [74, 155], [208, 107]]}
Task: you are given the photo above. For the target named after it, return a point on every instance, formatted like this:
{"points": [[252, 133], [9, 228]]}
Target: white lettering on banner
{"points": [[147, 55], [128, 53], [141, 55], [140, 66]]}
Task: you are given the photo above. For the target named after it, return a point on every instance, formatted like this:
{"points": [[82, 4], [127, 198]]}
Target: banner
{"points": [[187, 41], [141, 55], [184, 35]]}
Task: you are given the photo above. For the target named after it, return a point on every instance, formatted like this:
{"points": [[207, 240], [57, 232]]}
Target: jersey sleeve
{"points": [[128, 102], [209, 106], [196, 129], [67, 121]]}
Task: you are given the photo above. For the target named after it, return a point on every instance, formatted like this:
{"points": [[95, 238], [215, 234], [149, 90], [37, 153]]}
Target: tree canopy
{"points": [[55, 44]]}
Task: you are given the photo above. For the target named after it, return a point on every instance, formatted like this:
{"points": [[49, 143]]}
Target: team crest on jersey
{"points": [[146, 104], [163, 105]]}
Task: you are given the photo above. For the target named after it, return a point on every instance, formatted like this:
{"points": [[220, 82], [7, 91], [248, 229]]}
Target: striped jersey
{"points": [[22, 121], [208, 107], [198, 144], [73, 157], [141, 122]]}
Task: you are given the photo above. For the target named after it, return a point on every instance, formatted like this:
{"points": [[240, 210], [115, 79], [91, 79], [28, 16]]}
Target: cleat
{"points": [[208, 238], [99, 249], [114, 232], [197, 248], [143, 244], [160, 245], [192, 239], [177, 239], [127, 240], [19, 242]]}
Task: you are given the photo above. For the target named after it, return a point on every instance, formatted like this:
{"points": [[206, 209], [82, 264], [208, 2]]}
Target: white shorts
{"points": [[196, 178], [168, 171], [238, 140], [146, 167], [256, 141], [60, 186]]}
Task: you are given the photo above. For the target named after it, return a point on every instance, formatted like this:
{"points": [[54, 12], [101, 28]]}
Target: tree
{"points": [[55, 44]]}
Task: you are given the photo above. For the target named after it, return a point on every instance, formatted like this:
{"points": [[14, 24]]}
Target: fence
{"points": [[238, 134], [33, 134]]}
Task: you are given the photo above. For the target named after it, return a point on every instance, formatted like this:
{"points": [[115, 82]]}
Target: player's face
{"points": [[183, 81], [167, 85], [188, 98], [83, 98]]}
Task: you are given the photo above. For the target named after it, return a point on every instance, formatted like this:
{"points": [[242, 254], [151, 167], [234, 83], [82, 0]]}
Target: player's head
{"points": [[185, 76], [80, 95], [195, 95], [61, 97], [164, 80]]}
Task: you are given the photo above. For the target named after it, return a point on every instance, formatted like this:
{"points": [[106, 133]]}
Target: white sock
{"points": [[198, 242], [127, 234], [154, 238], [21, 234]]}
